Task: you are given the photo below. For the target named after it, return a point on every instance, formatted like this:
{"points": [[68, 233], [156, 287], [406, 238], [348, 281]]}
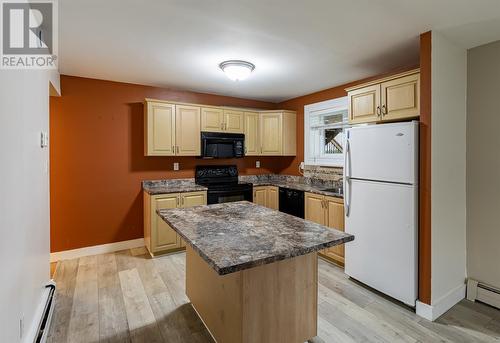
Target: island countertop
{"points": [[239, 235]]}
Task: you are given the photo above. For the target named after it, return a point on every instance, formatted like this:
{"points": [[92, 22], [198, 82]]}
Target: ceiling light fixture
{"points": [[237, 70]]}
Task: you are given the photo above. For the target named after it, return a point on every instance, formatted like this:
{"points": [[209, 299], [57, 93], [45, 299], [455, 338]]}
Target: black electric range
{"points": [[222, 183]]}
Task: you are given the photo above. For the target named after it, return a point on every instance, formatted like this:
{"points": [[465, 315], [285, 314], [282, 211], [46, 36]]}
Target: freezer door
{"points": [[383, 255], [387, 152]]}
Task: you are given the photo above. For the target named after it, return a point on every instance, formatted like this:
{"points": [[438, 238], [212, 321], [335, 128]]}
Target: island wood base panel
{"points": [[276, 302]]}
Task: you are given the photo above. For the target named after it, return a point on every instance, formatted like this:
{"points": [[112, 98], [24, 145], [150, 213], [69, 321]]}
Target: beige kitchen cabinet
{"points": [[401, 98], [267, 196], [278, 133], [328, 211], [252, 139], [159, 129], [171, 129], [212, 119], [335, 219], [272, 197], [364, 104], [218, 119], [159, 237], [315, 208], [234, 121], [389, 99], [260, 195], [187, 130]]}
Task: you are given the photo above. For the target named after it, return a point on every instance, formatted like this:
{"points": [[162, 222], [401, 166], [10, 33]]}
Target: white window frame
{"points": [[338, 104]]}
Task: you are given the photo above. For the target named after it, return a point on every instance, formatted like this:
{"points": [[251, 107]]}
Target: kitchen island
{"points": [[251, 272]]}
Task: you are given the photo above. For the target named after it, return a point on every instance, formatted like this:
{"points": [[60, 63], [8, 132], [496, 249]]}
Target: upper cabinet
{"points": [[174, 129], [187, 130], [252, 137], [393, 98], [159, 127], [212, 119], [215, 119], [234, 121], [171, 129], [277, 133]]}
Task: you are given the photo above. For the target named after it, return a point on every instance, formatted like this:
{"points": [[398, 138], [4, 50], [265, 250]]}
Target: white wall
{"points": [[24, 200], [448, 149], [483, 164]]}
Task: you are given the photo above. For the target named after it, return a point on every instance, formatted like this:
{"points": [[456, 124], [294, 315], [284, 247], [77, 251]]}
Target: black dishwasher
{"points": [[292, 202]]}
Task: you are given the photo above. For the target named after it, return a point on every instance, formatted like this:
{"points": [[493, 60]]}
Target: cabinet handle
{"points": [[384, 109], [222, 126], [182, 201], [177, 202], [173, 149], [379, 113]]}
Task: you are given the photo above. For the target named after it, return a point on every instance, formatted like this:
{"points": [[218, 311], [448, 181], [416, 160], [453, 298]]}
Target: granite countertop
{"points": [[286, 181], [239, 235], [300, 187], [171, 186]]}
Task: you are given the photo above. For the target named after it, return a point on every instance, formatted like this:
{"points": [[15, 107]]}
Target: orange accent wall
{"points": [[97, 162], [424, 251]]}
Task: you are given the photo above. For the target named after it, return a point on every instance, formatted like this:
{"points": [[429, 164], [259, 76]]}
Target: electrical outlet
{"points": [[176, 166], [257, 164]]}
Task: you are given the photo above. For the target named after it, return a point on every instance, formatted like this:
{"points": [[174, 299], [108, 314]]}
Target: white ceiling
{"points": [[298, 47]]}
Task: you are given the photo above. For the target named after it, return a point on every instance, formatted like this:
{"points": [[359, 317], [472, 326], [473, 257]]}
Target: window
{"points": [[324, 125]]}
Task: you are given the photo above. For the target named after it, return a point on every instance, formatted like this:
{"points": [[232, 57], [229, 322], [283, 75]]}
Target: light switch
{"points": [[257, 164], [176, 166], [44, 139]]}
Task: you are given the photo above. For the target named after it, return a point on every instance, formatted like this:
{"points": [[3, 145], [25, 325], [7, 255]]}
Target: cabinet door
{"points": [[187, 130], [193, 199], [272, 197], [212, 119], [189, 200], [364, 104], [163, 237], [400, 98], [335, 219], [314, 208], [260, 195], [159, 129], [234, 121], [252, 142], [271, 133]]}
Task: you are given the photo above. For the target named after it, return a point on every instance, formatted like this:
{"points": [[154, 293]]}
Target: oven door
{"points": [[222, 196]]}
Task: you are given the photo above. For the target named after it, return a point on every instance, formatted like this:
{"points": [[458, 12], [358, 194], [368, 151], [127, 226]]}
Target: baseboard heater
{"points": [[482, 292], [43, 327]]}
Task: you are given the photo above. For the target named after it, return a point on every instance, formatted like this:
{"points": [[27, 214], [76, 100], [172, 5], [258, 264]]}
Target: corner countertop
{"points": [[285, 181], [239, 235]]}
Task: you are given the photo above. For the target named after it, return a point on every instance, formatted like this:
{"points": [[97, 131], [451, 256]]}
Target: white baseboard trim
{"points": [[434, 311], [96, 250]]}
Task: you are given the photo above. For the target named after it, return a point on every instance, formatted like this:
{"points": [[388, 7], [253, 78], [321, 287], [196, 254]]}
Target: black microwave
{"points": [[222, 145]]}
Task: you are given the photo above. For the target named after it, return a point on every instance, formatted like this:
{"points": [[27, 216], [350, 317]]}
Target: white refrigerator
{"points": [[381, 207]]}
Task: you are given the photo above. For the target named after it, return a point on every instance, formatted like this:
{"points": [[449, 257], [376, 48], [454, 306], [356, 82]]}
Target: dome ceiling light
{"points": [[237, 70]]}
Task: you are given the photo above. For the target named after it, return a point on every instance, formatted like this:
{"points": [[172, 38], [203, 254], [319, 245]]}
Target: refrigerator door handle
{"points": [[347, 178]]}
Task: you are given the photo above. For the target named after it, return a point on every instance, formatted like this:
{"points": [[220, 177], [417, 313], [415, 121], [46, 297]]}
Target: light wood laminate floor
{"points": [[129, 297]]}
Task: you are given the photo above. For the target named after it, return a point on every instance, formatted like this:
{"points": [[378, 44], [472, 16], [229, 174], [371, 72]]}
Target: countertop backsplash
{"points": [[334, 174]]}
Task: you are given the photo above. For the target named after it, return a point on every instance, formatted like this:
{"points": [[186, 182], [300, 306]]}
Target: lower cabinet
{"points": [[267, 196], [328, 211], [159, 237]]}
